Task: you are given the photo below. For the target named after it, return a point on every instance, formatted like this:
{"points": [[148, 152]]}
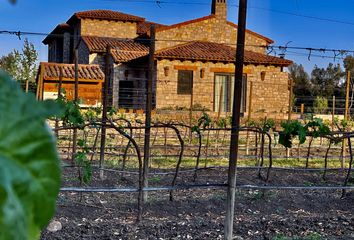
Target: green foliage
{"points": [[92, 114], [21, 66], [343, 124], [71, 114], [112, 111], [83, 163], [317, 127], [30, 170], [302, 86], [320, 105], [10, 64], [265, 124], [291, 129], [204, 121], [326, 80], [29, 57], [221, 123]]}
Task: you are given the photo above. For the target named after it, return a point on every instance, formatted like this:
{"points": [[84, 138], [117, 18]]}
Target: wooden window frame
{"points": [[182, 82], [244, 90]]}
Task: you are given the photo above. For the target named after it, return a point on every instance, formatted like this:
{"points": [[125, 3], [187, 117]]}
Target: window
{"points": [[224, 92], [185, 82]]}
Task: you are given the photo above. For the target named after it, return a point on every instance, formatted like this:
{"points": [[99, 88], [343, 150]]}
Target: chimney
{"points": [[219, 9]]}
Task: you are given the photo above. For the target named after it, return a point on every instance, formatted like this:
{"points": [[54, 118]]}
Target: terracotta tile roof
{"points": [[106, 15], [208, 51], [99, 44], [126, 56], [51, 71], [144, 27], [59, 29]]}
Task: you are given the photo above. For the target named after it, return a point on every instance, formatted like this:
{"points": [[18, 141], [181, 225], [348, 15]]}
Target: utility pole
{"points": [[236, 113], [148, 110]]}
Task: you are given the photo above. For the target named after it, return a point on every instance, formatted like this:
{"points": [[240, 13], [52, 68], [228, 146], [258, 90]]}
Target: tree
{"points": [[28, 63], [320, 105], [326, 81], [302, 85], [10, 64], [21, 66]]}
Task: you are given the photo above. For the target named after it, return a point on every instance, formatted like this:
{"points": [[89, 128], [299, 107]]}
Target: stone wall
{"points": [[212, 30], [129, 84], [105, 28], [84, 53], [270, 95], [66, 48]]}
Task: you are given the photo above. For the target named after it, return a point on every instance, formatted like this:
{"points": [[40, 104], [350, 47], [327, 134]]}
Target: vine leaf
{"points": [[30, 171]]}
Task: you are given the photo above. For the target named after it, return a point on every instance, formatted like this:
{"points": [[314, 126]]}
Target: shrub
{"points": [[320, 105]]}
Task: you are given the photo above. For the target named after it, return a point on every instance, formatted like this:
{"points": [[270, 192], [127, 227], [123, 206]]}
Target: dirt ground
{"points": [[199, 214]]}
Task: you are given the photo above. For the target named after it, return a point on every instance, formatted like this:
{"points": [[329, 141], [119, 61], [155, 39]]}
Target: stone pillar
{"points": [[219, 9], [66, 47]]}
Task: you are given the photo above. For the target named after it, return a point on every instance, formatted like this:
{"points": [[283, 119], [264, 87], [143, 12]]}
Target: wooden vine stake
{"points": [[76, 98], [236, 113], [249, 117], [148, 111], [333, 111], [59, 95], [104, 107], [346, 117], [290, 109]]}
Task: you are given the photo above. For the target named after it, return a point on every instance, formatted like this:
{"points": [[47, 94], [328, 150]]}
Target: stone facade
{"points": [[269, 94], [128, 82], [105, 28], [210, 29]]}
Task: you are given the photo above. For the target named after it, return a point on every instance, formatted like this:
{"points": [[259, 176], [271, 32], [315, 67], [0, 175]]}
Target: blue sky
{"points": [[281, 20]]}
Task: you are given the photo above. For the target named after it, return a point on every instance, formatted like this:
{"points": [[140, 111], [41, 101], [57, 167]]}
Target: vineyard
{"points": [[289, 173]]}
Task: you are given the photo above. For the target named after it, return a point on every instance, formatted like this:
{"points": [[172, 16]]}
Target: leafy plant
{"points": [[320, 105], [30, 170], [317, 127], [291, 129], [85, 168], [71, 114]]}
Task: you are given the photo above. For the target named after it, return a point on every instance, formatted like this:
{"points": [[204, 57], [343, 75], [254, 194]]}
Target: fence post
{"points": [[59, 95], [148, 111], [249, 117], [76, 97], [191, 112], [333, 111], [302, 110], [104, 108], [346, 117], [290, 99], [236, 113]]}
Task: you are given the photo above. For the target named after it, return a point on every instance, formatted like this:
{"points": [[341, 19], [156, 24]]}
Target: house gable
{"points": [[208, 28]]}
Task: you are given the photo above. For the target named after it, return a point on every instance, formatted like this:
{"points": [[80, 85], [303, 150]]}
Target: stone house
{"points": [[194, 60]]}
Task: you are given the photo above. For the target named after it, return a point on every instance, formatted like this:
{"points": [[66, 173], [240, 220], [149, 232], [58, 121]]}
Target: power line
{"points": [[296, 14], [271, 48]]}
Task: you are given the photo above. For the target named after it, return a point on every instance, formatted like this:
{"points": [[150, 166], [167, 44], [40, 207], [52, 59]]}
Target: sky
{"points": [[296, 23]]}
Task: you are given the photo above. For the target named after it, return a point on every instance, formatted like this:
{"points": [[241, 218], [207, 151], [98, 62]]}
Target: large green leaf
{"points": [[29, 163]]}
